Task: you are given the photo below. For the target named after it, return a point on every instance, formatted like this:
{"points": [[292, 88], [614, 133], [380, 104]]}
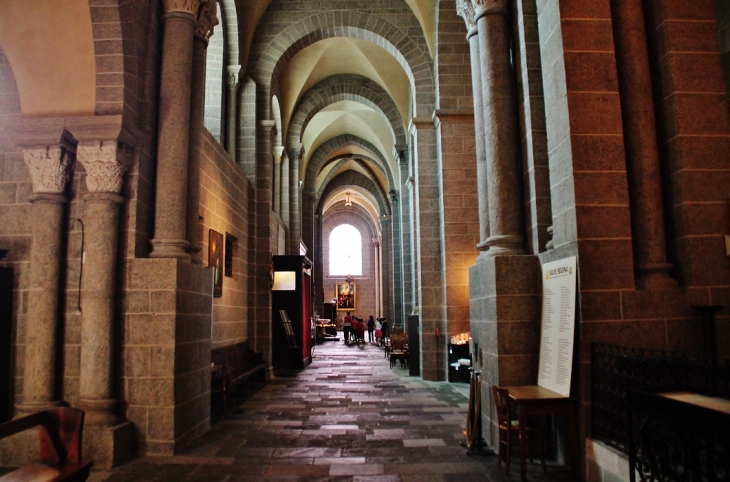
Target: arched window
{"points": [[345, 251]]}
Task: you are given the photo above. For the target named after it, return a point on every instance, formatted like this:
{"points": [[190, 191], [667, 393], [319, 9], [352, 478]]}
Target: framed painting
{"points": [[345, 295], [215, 261]]}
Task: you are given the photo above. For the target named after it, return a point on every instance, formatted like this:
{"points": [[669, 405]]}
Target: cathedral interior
{"points": [[156, 157]]}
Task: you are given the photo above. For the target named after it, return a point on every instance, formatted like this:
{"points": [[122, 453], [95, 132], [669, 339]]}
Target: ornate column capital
{"points": [[105, 163], [488, 7], [50, 166], [465, 10], [207, 19], [182, 6], [278, 151], [232, 72], [401, 156], [376, 242], [296, 153]]}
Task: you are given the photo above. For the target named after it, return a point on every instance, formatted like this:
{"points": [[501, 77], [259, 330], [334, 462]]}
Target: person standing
{"points": [[371, 328], [347, 327], [385, 330], [360, 331]]}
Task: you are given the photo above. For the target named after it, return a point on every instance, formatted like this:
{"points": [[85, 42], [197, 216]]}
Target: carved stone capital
{"points": [[465, 10], [295, 153], [182, 6], [402, 156], [486, 7], [207, 19], [105, 163], [49, 168], [278, 151], [232, 80]]}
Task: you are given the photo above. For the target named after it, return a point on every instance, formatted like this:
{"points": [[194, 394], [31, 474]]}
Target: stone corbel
{"points": [[105, 163], [232, 72]]}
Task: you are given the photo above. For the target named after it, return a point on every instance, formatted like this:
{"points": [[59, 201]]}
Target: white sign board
{"points": [[558, 325]]}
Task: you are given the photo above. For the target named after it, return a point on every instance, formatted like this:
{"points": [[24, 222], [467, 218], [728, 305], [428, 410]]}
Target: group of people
{"points": [[354, 327]]}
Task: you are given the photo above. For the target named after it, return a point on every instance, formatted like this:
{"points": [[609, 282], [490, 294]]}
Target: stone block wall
{"points": [[224, 208], [166, 354], [459, 216], [214, 84]]}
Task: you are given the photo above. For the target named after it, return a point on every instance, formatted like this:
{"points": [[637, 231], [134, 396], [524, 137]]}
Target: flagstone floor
{"points": [[347, 417]]}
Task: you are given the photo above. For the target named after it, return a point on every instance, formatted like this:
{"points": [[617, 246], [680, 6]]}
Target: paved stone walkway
{"points": [[346, 417]]}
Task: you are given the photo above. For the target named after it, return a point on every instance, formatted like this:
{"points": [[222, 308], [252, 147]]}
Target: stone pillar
{"points": [[105, 163], [285, 186], [386, 225], [206, 21], [465, 10], [278, 150], [295, 154], [174, 129], [642, 151], [49, 168], [506, 226], [231, 104], [378, 281]]}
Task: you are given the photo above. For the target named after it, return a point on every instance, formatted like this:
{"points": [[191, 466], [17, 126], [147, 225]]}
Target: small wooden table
{"points": [[536, 400]]}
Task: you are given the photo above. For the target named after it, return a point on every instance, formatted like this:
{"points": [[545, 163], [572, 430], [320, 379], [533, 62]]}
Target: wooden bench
{"points": [[59, 430], [238, 366]]}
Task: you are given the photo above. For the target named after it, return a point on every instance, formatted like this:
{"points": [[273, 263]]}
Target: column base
{"points": [[655, 276], [108, 446], [27, 408], [169, 248], [99, 413], [504, 245], [194, 252]]}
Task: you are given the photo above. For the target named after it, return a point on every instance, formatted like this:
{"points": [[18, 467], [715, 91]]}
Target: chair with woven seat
{"points": [[509, 427]]}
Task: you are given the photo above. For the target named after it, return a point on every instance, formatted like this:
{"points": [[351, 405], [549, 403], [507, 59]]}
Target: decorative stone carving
{"points": [[183, 6], [465, 10], [105, 163], [482, 7], [278, 151], [296, 153], [402, 156], [49, 168], [232, 80], [207, 19], [393, 196]]}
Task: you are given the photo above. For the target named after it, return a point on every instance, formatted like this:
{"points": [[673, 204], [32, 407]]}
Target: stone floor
{"points": [[346, 417]]}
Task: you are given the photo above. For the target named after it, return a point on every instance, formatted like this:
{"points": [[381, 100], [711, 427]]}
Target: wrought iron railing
{"points": [[615, 369]]}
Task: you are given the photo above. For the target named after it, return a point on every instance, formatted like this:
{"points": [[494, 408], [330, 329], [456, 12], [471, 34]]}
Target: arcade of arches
{"points": [[467, 141]]}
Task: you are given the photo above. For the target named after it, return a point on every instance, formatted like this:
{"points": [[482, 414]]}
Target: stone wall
{"points": [[224, 208]]}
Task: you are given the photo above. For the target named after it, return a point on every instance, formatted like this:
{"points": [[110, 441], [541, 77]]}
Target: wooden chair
{"points": [[398, 350], [509, 427]]}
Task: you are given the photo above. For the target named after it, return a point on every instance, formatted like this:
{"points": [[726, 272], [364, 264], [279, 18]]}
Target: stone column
{"points": [[278, 150], [376, 275], [105, 163], [49, 168], [231, 104], [642, 152], [206, 21], [174, 130], [285, 186], [465, 10], [506, 226], [295, 154], [386, 299]]}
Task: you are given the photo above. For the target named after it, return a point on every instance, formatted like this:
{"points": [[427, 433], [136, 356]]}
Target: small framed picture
{"points": [[215, 261]]}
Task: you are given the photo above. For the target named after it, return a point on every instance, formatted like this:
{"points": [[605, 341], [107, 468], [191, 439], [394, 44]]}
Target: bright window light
{"points": [[345, 251]]}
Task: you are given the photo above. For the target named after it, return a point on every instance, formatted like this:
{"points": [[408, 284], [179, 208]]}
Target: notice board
{"points": [[558, 325]]}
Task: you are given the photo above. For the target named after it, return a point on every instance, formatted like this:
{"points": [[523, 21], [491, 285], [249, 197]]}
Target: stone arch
{"points": [[268, 64], [321, 155], [229, 22], [373, 187], [345, 87], [352, 178]]}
